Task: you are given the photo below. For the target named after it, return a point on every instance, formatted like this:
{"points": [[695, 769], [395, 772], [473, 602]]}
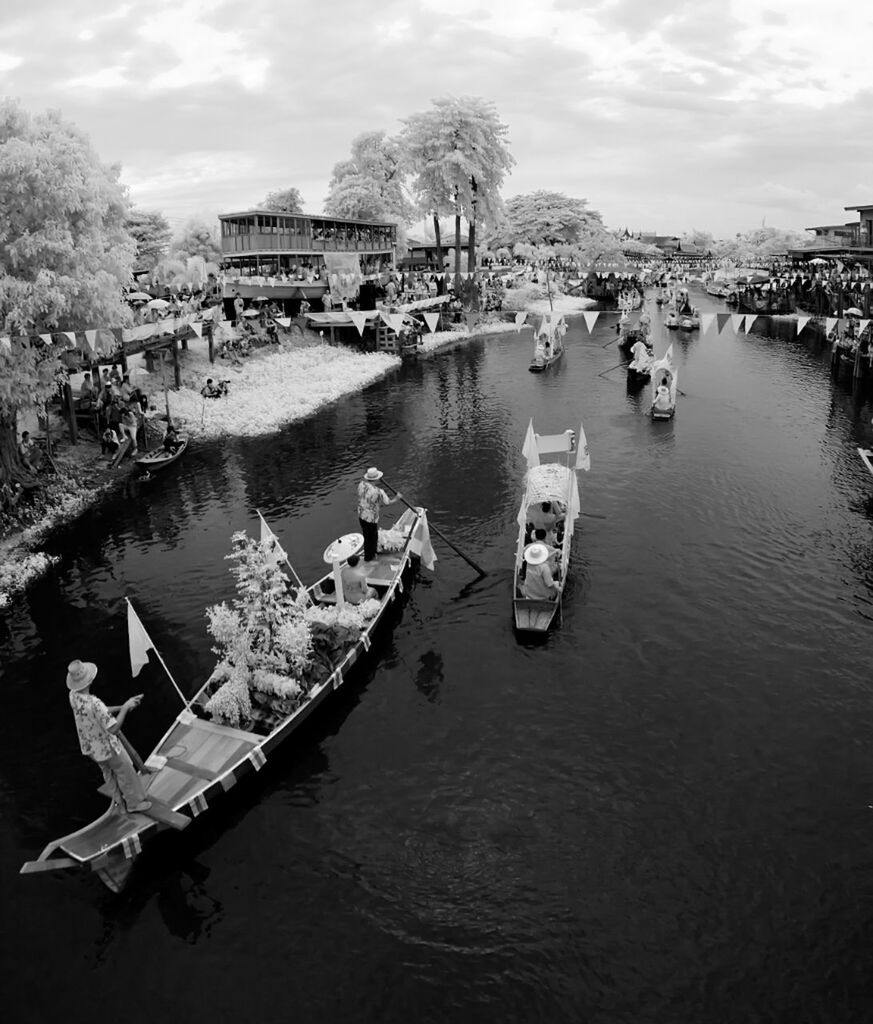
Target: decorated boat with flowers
{"points": [[548, 342], [664, 384], [284, 650], [550, 505]]}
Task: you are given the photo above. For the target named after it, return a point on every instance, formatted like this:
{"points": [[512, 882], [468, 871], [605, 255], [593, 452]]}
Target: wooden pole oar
{"points": [[593, 515], [617, 365], [440, 534]]}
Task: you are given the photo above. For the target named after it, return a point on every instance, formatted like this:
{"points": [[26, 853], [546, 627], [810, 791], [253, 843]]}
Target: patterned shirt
{"points": [[370, 501], [92, 723]]}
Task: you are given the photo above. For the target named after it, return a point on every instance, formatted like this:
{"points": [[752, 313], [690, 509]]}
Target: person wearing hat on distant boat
{"points": [[370, 501], [98, 736], [539, 584]]}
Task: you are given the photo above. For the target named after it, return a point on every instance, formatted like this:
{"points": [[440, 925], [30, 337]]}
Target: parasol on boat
{"points": [[157, 304], [854, 311]]}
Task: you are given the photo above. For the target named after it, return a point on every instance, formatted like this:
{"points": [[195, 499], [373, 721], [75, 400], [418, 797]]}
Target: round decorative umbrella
{"points": [[262, 298], [138, 296], [251, 312], [818, 260], [157, 304], [854, 311]]}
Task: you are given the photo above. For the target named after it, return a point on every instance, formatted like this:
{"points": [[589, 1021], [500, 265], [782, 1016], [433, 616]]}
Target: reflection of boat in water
{"points": [[867, 458], [243, 712], [664, 377], [548, 342], [549, 506]]}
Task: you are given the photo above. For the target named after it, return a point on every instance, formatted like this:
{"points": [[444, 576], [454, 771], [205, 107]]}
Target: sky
{"points": [[668, 117]]}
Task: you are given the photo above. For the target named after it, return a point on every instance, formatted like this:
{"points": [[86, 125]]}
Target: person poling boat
{"points": [[548, 342], [549, 508], [371, 499], [283, 650], [664, 387]]}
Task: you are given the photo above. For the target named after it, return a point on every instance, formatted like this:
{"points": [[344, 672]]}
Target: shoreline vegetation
{"points": [[269, 389]]}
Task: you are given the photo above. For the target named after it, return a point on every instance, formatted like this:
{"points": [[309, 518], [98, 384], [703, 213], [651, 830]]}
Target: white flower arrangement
{"points": [[231, 703], [278, 686], [392, 540], [350, 617]]}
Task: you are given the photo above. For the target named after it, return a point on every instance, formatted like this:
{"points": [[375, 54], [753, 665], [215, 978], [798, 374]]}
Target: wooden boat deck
{"points": [[534, 616]]}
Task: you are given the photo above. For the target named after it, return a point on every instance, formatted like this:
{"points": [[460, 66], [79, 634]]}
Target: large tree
{"points": [[65, 256], [458, 154], [545, 218], [759, 244], [197, 238], [285, 200], [152, 234], [370, 184]]}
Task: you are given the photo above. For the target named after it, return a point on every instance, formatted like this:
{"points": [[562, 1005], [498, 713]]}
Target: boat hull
{"points": [[534, 616], [151, 463]]}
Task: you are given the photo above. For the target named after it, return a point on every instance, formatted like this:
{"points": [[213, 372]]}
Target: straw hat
{"points": [[373, 474], [80, 674], [536, 554]]}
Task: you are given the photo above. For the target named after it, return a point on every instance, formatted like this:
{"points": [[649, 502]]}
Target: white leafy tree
{"points": [[459, 156], [66, 256]]}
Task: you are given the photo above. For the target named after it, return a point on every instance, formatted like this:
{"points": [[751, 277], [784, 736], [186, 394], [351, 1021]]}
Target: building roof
{"points": [[307, 216], [833, 227], [868, 206]]}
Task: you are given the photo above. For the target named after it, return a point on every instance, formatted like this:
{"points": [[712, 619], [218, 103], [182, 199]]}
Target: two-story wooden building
{"points": [[850, 242], [283, 254]]}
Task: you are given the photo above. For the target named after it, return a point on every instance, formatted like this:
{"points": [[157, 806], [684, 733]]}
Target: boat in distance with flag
{"points": [[201, 756]]}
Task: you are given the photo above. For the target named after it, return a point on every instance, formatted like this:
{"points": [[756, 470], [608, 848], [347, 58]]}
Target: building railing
{"points": [[255, 242]]}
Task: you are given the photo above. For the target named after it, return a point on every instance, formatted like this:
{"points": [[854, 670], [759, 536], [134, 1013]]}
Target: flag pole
{"points": [[184, 699], [287, 560]]}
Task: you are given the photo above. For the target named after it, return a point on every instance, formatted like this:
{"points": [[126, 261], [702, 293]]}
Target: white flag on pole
{"points": [[140, 642], [271, 542], [529, 448], [420, 544], [520, 319], [583, 458]]}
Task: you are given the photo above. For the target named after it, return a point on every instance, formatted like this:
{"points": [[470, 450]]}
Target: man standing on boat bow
{"points": [[98, 737], [371, 498]]}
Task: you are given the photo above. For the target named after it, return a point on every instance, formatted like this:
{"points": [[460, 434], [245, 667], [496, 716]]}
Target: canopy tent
{"points": [[550, 482]]}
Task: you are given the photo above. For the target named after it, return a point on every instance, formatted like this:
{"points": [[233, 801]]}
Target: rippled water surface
{"points": [[660, 814]]}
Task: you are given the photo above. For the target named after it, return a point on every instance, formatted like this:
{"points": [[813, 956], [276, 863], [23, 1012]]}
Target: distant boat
{"points": [[548, 342]]}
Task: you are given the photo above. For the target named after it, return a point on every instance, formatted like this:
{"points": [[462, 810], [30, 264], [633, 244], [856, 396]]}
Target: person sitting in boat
{"points": [[662, 396], [353, 576], [542, 516], [549, 538], [99, 737], [172, 441], [539, 584]]}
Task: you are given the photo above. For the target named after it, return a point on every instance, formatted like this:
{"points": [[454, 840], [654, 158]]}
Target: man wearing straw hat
{"points": [[98, 736], [370, 501], [539, 584]]}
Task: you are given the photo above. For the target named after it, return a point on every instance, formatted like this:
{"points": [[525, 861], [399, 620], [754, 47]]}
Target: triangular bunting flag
{"points": [[706, 321], [830, 324], [722, 319], [91, 338], [737, 321], [750, 319], [197, 328], [46, 339], [519, 320], [71, 335], [431, 319], [285, 321], [802, 321], [591, 320], [359, 319], [862, 326]]}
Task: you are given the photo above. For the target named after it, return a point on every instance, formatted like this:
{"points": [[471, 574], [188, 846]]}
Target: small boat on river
{"points": [[241, 714], [640, 368], [691, 322], [671, 322], [664, 381], [550, 504], [548, 342], [160, 458]]}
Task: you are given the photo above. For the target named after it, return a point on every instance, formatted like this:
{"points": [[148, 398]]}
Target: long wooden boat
{"points": [[664, 374], [867, 458], [640, 368], [151, 462], [548, 342], [197, 760], [553, 481]]}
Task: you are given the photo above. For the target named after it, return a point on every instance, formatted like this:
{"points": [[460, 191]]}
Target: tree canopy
{"points": [[759, 243], [286, 200], [370, 184], [65, 251], [545, 218], [152, 234], [197, 238]]}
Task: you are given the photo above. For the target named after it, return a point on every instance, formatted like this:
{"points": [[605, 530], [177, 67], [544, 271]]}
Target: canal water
{"points": [[663, 813]]}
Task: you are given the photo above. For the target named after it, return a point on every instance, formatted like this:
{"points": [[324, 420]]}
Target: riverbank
{"points": [[268, 389]]}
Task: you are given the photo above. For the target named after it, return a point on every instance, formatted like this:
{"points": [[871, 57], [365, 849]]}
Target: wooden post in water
{"points": [[210, 341], [177, 369]]}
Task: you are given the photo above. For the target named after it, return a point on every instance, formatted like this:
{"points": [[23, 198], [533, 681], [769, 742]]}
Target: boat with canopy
{"points": [[664, 382], [550, 503], [283, 653], [640, 368], [548, 342]]}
